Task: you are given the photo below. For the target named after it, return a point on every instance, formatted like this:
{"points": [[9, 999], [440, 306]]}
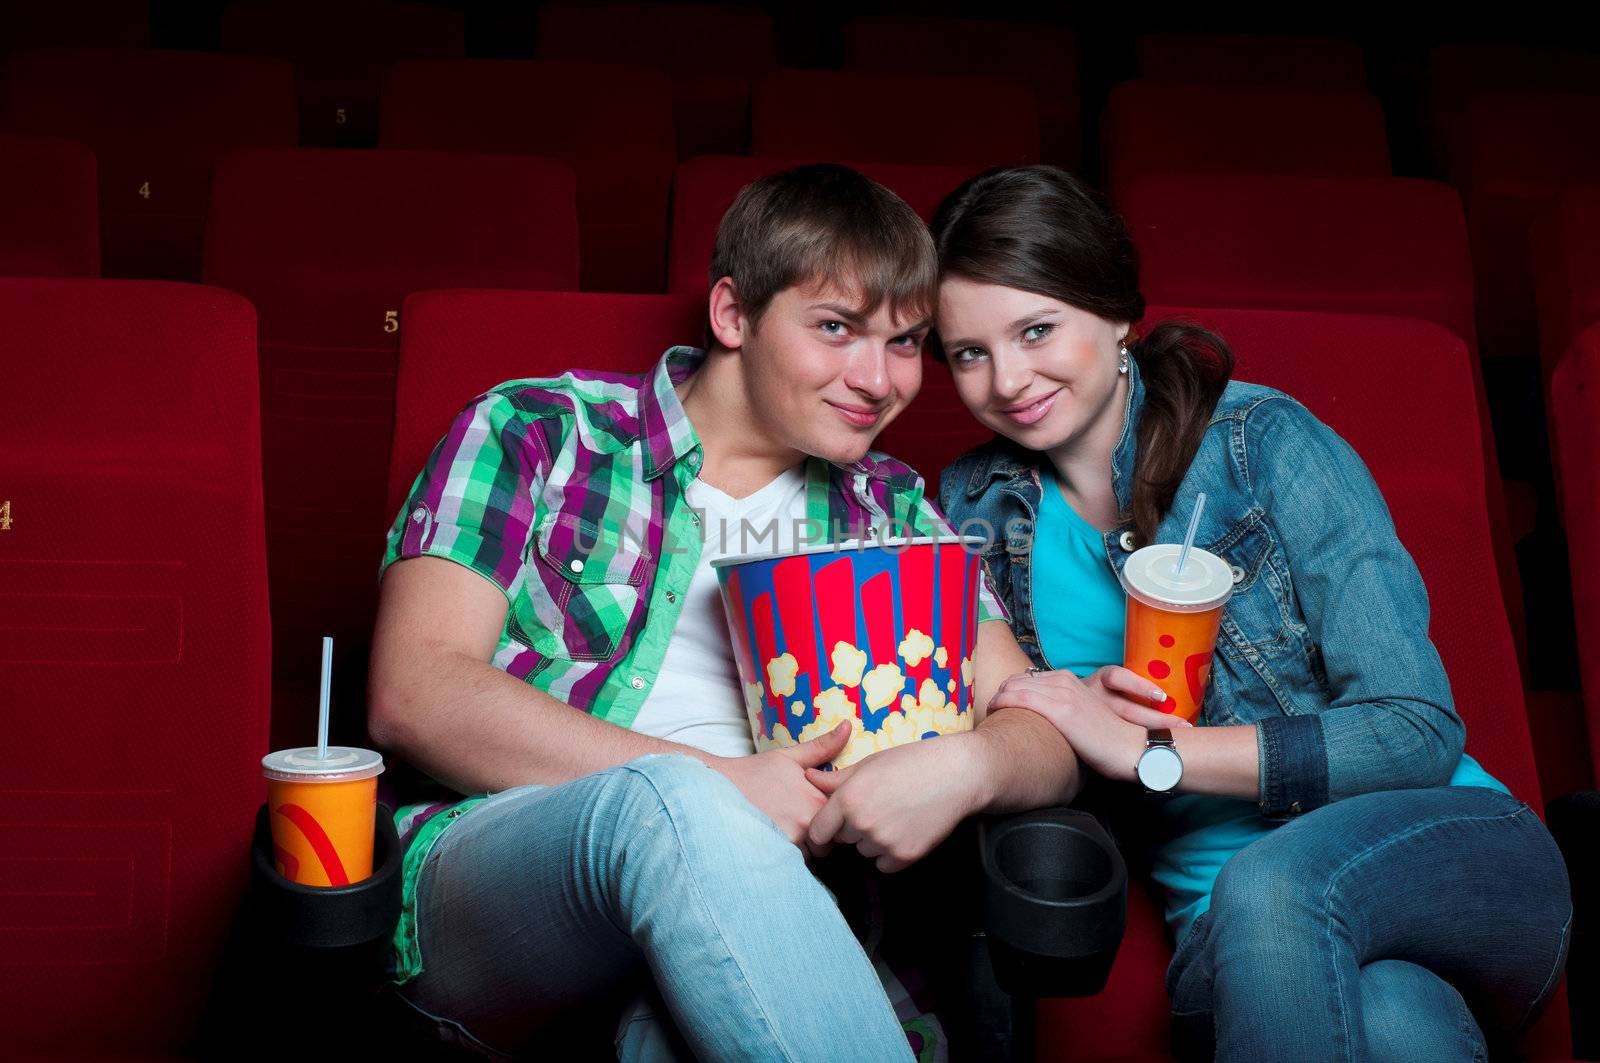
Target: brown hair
{"points": [[1039, 229], [826, 222]]}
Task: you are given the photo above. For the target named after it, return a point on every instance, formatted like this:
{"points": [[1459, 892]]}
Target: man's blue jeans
{"points": [[1401, 925], [543, 899]]}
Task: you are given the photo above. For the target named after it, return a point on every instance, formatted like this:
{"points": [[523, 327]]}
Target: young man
{"points": [[550, 640]]}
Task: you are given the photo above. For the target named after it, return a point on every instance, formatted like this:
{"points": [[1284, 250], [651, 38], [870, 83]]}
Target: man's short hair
{"points": [[824, 223]]}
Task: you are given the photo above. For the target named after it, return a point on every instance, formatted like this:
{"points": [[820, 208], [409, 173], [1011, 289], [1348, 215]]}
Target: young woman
{"points": [[1342, 882]]}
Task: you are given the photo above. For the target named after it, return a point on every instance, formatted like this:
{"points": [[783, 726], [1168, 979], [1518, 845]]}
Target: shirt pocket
{"points": [[595, 577], [1260, 619]]}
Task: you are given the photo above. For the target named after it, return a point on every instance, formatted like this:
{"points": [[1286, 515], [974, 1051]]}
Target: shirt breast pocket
{"points": [[1260, 617], [595, 579]]}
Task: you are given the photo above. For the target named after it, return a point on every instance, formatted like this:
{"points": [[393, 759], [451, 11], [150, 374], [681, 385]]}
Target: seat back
{"points": [[903, 118], [987, 49], [619, 142], [1521, 150], [1251, 59], [157, 121], [49, 218], [705, 188], [134, 656], [328, 244], [1178, 127], [459, 344], [339, 51], [712, 52]]}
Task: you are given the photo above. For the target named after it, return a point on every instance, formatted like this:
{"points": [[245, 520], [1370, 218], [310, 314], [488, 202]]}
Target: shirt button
{"points": [[1238, 574], [419, 514], [1126, 541], [1295, 807], [671, 597], [575, 565], [638, 682]]}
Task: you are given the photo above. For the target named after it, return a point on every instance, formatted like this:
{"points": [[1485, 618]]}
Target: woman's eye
{"points": [[1035, 333], [967, 355]]}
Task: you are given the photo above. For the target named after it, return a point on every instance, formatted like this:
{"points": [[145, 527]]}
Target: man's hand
{"points": [[777, 783], [896, 805]]}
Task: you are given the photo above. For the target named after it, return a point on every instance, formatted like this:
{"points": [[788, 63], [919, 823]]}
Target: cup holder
{"points": [[1057, 900]]}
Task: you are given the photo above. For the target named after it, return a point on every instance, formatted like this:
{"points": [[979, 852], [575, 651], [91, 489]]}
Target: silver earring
{"points": [[1122, 358]]}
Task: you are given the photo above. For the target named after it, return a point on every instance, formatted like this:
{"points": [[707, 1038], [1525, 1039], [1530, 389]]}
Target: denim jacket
{"points": [[1324, 644]]}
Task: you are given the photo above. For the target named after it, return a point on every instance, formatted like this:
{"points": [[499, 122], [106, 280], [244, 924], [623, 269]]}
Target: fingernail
{"points": [[1159, 694]]}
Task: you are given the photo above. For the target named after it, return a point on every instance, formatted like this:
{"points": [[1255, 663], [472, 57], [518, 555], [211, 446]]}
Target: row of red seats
{"points": [[141, 673], [160, 120]]}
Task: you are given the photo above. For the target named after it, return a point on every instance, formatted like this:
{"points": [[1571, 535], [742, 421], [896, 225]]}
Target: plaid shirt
{"points": [[568, 494]]}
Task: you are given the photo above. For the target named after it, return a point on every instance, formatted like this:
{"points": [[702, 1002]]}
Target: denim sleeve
{"points": [[1390, 722]]}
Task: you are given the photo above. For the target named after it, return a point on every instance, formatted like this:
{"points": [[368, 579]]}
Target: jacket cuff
{"points": [[1294, 765]]}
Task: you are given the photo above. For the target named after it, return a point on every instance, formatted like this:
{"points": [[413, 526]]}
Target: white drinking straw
{"points": [[327, 682], [1188, 540]]}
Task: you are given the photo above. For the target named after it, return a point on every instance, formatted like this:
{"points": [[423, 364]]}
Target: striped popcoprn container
{"points": [[877, 633]]}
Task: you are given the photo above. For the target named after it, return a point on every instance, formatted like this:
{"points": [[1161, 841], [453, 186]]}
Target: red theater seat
{"points": [[1176, 127], [328, 244], [459, 344], [1575, 409], [1359, 374], [988, 49], [49, 218], [1459, 72], [1377, 245], [157, 121], [712, 52], [134, 657], [611, 123], [904, 118], [705, 188], [1567, 271], [1521, 150], [1251, 59], [339, 51]]}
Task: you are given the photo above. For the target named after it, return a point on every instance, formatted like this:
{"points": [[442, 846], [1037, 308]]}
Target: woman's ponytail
{"points": [[1184, 369]]}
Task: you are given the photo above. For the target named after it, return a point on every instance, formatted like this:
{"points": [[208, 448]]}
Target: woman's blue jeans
{"points": [[1401, 925], [542, 900]]}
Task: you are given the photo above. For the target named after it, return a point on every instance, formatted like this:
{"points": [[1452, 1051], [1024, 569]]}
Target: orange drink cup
{"points": [[322, 813], [1173, 620]]}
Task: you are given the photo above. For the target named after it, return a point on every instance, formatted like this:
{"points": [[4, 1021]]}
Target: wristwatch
{"points": [[1160, 767]]}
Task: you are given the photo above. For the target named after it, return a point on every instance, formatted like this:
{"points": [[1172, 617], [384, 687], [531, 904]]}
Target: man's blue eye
{"points": [[830, 327]]}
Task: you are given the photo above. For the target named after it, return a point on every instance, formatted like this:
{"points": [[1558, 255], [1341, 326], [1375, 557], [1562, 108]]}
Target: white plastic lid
{"points": [[1206, 583], [342, 764]]}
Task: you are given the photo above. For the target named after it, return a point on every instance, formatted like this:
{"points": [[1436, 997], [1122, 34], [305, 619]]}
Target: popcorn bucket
{"points": [[877, 633]]}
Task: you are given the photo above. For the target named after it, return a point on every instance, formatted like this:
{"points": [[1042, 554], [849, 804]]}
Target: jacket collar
{"points": [[1007, 461]]}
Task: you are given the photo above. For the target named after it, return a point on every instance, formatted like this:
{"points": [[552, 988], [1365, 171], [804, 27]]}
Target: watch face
{"points": [[1160, 768]]}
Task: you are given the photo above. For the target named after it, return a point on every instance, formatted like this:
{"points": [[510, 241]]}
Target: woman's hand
{"points": [[1105, 717]]}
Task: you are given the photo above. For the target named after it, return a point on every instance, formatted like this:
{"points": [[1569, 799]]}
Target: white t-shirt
{"points": [[696, 698]]}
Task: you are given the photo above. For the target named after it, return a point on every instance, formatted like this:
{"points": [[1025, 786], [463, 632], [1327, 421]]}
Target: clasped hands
{"points": [[897, 804]]}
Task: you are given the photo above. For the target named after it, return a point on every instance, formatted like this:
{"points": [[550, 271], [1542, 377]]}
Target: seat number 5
{"points": [[391, 321], [5, 515]]}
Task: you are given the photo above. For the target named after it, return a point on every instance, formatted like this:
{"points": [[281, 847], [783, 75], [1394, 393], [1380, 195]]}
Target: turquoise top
{"points": [[1082, 630]]}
